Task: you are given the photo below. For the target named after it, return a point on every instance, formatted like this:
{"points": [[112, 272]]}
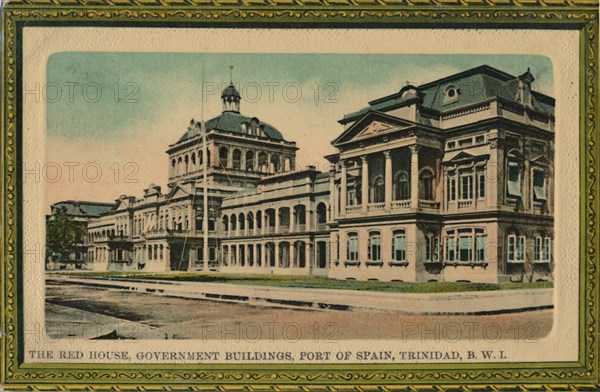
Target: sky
{"points": [[111, 115]]}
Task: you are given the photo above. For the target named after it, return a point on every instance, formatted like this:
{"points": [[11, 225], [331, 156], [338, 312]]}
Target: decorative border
{"points": [[574, 14]]}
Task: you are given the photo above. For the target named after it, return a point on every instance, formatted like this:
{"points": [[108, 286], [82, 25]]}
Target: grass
{"points": [[316, 282]]}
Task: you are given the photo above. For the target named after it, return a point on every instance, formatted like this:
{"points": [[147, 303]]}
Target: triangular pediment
{"points": [[178, 191], [372, 124]]}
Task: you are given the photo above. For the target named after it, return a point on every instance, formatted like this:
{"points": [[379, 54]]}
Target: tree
{"points": [[61, 234]]}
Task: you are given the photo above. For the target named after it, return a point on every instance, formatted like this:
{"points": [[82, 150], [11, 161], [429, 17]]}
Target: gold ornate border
{"points": [[580, 15]]}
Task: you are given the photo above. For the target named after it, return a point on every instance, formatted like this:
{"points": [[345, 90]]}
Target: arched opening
{"points": [[401, 186], [275, 165], [299, 218], [233, 223], [249, 161], [223, 157], [284, 219], [321, 216], [242, 222], [237, 159], [250, 221], [378, 190], [258, 220], [225, 225], [263, 165], [186, 161], [426, 186]]}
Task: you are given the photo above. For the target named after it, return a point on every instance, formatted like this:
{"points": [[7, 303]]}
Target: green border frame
{"points": [[577, 15]]}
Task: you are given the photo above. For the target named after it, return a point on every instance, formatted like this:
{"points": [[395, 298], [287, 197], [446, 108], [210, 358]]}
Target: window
{"points": [[480, 183], [432, 248], [516, 248], [514, 179], [465, 142], [211, 253], [451, 186], [466, 185], [465, 247], [374, 246], [378, 190], [479, 139], [399, 246], [352, 254], [480, 244], [426, 185], [402, 186], [450, 252], [539, 186], [541, 248], [451, 145]]}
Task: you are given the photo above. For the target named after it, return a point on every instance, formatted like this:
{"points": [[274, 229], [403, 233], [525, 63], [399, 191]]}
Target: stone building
{"points": [[451, 180]]}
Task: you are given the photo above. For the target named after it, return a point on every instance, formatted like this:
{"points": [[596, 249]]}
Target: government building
{"points": [[451, 180]]}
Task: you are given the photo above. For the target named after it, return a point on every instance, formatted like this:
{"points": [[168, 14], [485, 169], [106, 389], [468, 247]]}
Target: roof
{"points": [[83, 208], [476, 85], [230, 91], [230, 122]]}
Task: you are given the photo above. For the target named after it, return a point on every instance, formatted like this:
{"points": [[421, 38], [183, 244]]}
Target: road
{"points": [[77, 311]]}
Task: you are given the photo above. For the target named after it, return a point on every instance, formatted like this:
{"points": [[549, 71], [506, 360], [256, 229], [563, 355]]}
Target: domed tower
{"points": [[230, 97]]}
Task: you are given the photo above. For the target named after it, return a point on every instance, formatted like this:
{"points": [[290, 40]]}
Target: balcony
{"points": [[375, 207], [400, 204], [465, 203], [353, 209], [429, 204]]}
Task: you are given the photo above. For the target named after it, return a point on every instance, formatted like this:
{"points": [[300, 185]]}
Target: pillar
{"points": [[308, 263], [307, 219], [343, 190], [292, 254], [277, 219], [276, 250], [243, 161], [263, 254], [388, 180], [292, 219], [365, 183], [332, 201], [414, 176]]}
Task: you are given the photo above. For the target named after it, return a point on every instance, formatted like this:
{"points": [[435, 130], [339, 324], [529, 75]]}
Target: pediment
{"points": [[372, 124], [540, 160]]}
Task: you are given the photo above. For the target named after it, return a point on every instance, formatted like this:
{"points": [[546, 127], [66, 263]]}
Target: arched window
{"points": [[426, 185], [249, 160], [225, 224], [258, 219], [321, 213], [223, 155], [250, 218], [242, 221], [374, 247], [378, 190], [186, 160], [263, 165], [352, 247], [401, 186], [399, 246], [237, 159], [193, 160], [233, 223]]}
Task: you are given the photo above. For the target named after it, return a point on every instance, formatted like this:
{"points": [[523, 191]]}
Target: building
{"points": [[451, 180]]}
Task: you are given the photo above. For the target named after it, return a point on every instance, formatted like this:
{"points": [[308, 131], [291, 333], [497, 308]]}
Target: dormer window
{"points": [[451, 94]]}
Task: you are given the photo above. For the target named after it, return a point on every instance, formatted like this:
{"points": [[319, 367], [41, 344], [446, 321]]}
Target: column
{"points": [[332, 201], [292, 219], [263, 255], [269, 163], [414, 176], [365, 183], [388, 180], [307, 219], [343, 190], [243, 161], [292, 254], [526, 187], [277, 220], [492, 180], [308, 263], [276, 255], [229, 157], [167, 258], [255, 161]]}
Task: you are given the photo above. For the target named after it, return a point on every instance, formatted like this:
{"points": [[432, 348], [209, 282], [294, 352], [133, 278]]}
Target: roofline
{"points": [[98, 203]]}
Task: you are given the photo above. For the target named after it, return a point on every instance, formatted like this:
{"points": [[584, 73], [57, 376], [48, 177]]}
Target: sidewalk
{"points": [[473, 302]]}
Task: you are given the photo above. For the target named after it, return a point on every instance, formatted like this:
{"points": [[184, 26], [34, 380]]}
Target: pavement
{"points": [[456, 303]]}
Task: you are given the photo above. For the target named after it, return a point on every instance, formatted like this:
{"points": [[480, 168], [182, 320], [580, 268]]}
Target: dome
{"points": [[230, 91]]}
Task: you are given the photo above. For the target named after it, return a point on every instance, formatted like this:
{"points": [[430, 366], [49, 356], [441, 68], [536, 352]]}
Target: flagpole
{"points": [[204, 181]]}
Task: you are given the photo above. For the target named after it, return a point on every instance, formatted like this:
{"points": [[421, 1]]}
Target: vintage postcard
{"points": [[191, 205]]}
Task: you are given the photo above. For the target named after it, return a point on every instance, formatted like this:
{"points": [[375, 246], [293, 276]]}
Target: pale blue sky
{"points": [[168, 93]]}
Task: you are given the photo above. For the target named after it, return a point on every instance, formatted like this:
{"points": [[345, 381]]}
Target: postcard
{"points": [[238, 206]]}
